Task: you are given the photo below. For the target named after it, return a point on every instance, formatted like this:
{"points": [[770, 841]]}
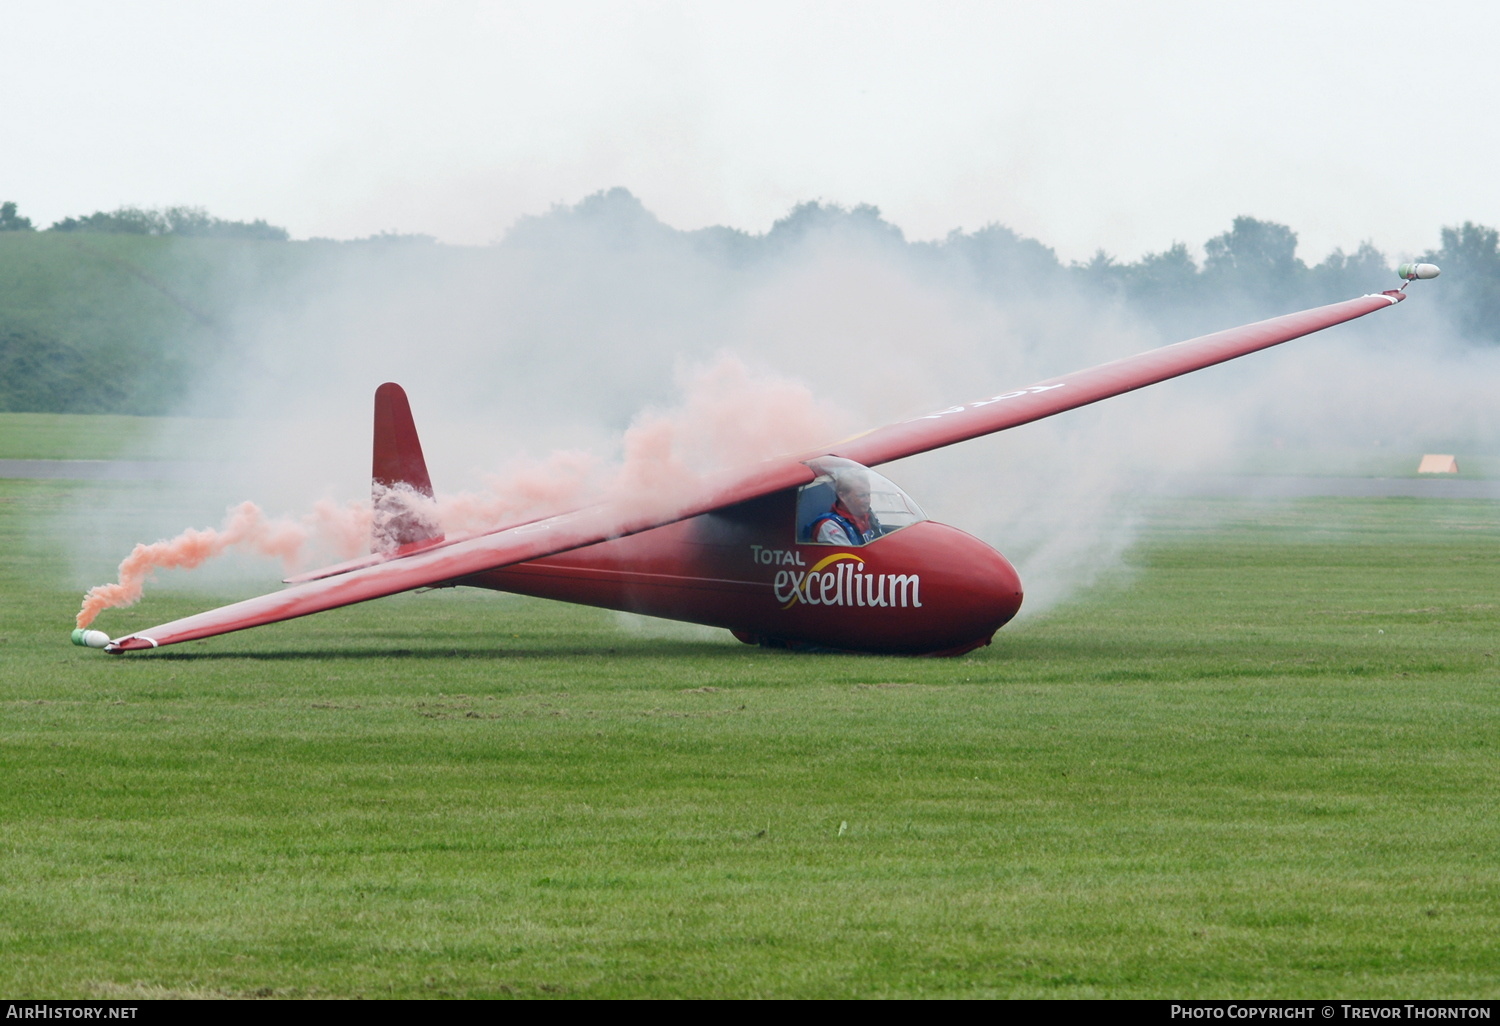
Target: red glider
{"points": [[807, 551]]}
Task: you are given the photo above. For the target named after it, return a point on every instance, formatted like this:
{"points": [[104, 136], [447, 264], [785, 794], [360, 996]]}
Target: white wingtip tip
{"points": [[1415, 272], [90, 639]]}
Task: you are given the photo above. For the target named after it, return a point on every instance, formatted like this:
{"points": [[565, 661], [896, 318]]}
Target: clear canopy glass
{"points": [[850, 504]]}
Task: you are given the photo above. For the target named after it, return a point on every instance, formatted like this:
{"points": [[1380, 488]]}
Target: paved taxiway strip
{"points": [[1198, 485]]}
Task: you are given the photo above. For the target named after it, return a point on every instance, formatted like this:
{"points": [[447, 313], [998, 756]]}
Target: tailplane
{"points": [[398, 477]]}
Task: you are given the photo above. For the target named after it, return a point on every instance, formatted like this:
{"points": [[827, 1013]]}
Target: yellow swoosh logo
{"points": [[820, 564]]}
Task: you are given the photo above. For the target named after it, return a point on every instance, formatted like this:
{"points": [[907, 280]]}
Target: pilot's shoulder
{"points": [[831, 532]]}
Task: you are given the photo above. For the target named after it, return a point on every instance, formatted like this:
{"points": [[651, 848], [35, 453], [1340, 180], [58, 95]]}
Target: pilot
{"points": [[850, 521]]}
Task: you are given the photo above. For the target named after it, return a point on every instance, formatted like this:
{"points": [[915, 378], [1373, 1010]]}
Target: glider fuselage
{"points": [[926, 589]]}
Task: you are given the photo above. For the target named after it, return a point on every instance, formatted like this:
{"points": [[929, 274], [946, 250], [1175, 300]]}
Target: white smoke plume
{"points": [[529, 365]]}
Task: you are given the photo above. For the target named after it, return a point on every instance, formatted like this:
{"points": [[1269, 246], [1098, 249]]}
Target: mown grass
{"points": [[74, 436], [1262, 763]]}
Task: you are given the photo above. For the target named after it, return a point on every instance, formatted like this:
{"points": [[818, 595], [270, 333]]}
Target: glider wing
{"points": [[449, 562], [1055, 395]]}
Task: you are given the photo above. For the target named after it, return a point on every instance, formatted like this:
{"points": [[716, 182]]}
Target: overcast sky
{"points": [[1126, 126]]}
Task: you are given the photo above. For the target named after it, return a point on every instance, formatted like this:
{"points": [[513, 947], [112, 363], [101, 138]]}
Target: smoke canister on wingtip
{"points": [[1415, 272], [90, 639]]}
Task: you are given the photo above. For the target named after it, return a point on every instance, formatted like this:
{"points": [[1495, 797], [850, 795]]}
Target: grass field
{"points": [[1263, 763], [81, 436]]}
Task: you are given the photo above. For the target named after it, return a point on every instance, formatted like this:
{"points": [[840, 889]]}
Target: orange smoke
{"points": [[526, 490], [345, 529], [728, 417]]}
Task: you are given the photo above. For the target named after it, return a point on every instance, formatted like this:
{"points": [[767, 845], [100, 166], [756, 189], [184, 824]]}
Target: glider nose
{"points": [[970, 587], [980, 594], [1006, 590]]}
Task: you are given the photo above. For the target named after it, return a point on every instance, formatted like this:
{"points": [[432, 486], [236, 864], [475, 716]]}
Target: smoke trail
{"points": [[245, 527], [727, 416]]}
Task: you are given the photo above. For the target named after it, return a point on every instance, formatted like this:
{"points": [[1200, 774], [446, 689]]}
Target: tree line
{"points": [[182, 222], [1254, 265], [1251, 270], [171, 290]]}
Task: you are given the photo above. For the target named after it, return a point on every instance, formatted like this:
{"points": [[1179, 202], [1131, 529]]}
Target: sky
{"points": [[1117, 126]]}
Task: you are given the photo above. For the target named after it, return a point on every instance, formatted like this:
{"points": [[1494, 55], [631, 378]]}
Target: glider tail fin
{"points": [[398, 478]]}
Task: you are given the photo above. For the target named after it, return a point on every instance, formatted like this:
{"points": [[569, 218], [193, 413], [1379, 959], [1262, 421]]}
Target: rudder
{"points": [[398, 473]]}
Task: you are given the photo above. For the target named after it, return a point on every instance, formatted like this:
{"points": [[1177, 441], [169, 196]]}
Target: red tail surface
{"points": [[398, 451], [396, 471]]}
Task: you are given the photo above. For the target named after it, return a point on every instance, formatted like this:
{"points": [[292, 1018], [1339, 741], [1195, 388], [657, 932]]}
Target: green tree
{"points": [[806, 220], [1470, 259], [10, 221], [197, 222], [1345, 275], [1170, 276], [1102, 274], [125, 221], [188, 222], [1000, 260], [1254, 254]]}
